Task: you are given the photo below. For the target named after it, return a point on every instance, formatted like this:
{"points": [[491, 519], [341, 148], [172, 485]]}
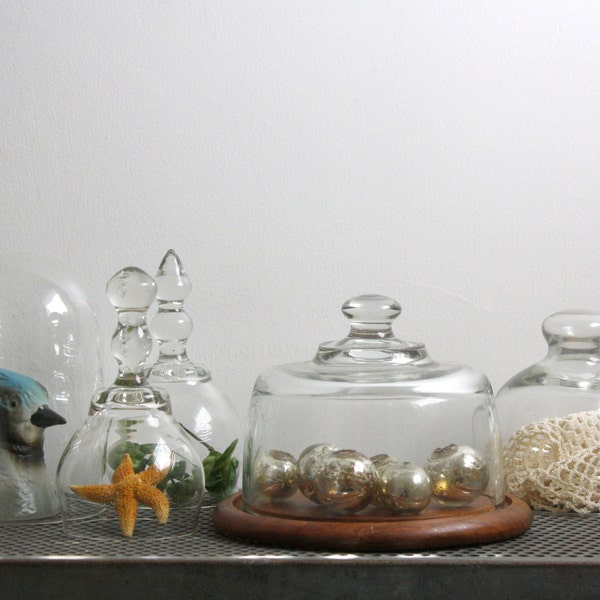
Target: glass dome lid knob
{"points": [[371, 338], [371, 315], [573, 328]]}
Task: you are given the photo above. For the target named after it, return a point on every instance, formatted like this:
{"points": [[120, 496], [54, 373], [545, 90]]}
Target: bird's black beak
{"points": [[44, 417]]}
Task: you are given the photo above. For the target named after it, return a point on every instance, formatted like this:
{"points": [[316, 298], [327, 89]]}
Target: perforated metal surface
{"points": [[567, 539]]}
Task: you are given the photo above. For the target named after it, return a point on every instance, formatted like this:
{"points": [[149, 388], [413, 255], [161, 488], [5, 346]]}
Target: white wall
{"points": [[295, 154]]}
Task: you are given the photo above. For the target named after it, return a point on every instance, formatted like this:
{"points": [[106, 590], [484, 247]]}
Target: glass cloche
{"points": [[550, 420], [371, 427], [130, 453], [197, 402], [49, 369]]}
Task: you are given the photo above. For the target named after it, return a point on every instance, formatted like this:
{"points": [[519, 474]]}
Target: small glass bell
{"points": [[550, 418], [49, 369], [197, 403], [130, 452]]}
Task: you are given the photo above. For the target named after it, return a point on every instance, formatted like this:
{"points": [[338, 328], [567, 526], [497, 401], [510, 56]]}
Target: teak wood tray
{"points": [[298, 527]]}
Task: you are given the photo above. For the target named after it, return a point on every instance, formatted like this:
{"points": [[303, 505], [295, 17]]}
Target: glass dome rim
{"points": [[389, 380]]}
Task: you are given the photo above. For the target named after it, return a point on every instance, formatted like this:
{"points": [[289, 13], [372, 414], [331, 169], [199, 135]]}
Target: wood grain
{"points": [[446, 528]]}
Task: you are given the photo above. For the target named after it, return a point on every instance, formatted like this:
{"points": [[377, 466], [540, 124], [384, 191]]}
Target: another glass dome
{"points": [[49, 362], [371, 426], [550, 419], [196, 401]]}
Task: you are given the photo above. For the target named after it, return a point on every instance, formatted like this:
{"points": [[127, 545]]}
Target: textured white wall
{"points": [[295, 154]]}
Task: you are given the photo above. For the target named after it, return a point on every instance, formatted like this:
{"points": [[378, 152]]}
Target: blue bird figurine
{"points": [[25, 491]]}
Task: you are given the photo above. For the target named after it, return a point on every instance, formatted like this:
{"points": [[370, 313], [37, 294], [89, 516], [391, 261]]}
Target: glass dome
{"points": [[371, 426], [550, 421], [130, 452], [196, 401], [49, 363]]}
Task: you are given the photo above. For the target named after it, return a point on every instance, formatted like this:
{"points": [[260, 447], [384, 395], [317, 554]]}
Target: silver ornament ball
{"points": [[346, 482], [379, 462], [309, 462], [458, 474], [403, 487], [276, 474]]}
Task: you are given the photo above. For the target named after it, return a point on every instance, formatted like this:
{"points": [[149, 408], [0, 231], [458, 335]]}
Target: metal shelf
{"points": [[559, 557]]}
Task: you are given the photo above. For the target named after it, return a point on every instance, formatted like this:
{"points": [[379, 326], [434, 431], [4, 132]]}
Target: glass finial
{"points": [[172, 326], [173, 283], [131, 291]]}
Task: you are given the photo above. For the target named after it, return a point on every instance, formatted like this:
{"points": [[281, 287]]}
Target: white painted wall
{"points": [[295, 154]]}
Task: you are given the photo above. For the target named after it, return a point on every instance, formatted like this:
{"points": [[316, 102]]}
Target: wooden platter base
{"points": [[512, 518]]}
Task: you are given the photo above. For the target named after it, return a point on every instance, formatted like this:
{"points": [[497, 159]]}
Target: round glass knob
{"points": [[371, 308], [371, 315], [571, 326], [131, 288]]}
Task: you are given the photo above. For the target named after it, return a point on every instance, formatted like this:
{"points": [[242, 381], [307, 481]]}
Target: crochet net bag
{"points": [[554, 464]]}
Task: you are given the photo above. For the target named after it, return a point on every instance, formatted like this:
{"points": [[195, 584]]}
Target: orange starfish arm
{"points": [[103, 492], [126, 507], [155, 499], [152, 475], [124, 469]]}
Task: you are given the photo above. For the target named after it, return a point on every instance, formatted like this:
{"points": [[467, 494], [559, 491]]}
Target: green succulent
{"points": [[221, 471], [220, 468]]}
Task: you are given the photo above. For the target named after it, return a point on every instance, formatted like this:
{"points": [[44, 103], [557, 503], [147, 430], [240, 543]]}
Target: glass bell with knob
{"points": [[371, 426], [550, 418], [197, 403], [130, 469]]}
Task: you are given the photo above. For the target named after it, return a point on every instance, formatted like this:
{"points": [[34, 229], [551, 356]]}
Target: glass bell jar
{"points": [[49, 369], [371, 428], [550, 420], [130, 468], [196, 401]]}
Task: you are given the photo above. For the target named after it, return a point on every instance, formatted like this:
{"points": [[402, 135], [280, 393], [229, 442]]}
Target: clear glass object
{"points": [[371, 426], [49, 363], [566, 380], [197, 403], [130, 469], [550, 420]]}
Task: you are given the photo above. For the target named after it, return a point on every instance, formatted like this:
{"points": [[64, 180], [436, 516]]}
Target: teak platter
{"points": [[299, 527]]}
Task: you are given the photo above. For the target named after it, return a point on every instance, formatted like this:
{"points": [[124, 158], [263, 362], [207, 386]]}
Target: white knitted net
{"points": [[554, 464]]}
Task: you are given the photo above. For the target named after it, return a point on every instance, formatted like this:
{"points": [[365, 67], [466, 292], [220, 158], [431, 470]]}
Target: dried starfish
{"points": [[126, 490]]}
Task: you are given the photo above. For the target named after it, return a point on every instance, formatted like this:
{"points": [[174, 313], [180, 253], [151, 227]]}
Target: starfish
{"points": [[126, 490]]}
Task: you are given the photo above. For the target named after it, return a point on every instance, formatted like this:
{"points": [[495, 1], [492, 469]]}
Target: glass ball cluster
{"points": [[345, 481]]}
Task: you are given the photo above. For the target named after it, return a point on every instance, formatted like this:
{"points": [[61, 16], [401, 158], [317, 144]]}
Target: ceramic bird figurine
{"points": [[25, 491]]}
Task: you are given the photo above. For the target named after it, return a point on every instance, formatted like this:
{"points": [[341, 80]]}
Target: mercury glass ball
{"points": [[346, 482], [404, 487], [309, 462], [276, 474], [458, 475], [380, 461]]}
